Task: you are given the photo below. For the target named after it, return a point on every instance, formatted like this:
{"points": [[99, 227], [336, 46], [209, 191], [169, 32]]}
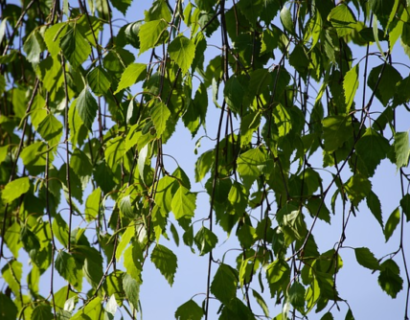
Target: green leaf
{"points": [[238, 197], [2, 84], [133, 73], [92, 267], [42, 312], [125, 241], [224, 284], [133, 261], [182, 51], [286, 19], [53, 36], [99, 81], [375, 207], [142, 159], [327, 316], [277, 274], [111, 307], [366, 258], [3, 153], [131, 289], [159, 115], [34, 46], [350, 86], [60, 230], [405, 205], [251, 164], [166, 189], [389, 278], [159, 10], [189, 311], [50, 129], [126, 208], [401, 148], [205, 240], [165, 261], [12, 272], [12, 238], [259, 299], [67, 268], [92, 205], [175, 234], [75, 48], [342, 19], [87, 108], [349, 315], [91, 310], [259, 82], [204, 164], [78, 131], [372, 148], [336, 131], [358, 187], [150, 34], [234, 93], [8, 310], [14, 189], [392, 223], [115, 150], [282, 119], [296, 295], [315, 205], [122, 5], [385, 87], [183, 203]]}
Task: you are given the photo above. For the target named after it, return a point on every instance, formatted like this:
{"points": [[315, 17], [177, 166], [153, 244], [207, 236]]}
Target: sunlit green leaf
{"points": [[133, 73], [159, 115], [342, 19], [286, 19], [99, 81], [131, 288], [392, 223], [14, 189], [87, 108], [401, 147], [150, 34], [183, 203], [11, 273], [350, 86], [336, 131], [33, 46], [182, 51], [205, 240], [75, 48]]}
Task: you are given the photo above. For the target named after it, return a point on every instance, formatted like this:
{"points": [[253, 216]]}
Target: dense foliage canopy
{"points": [[299, 101]]}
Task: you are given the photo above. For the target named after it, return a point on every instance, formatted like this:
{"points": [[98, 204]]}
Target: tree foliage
{"points": [[300, 101]]}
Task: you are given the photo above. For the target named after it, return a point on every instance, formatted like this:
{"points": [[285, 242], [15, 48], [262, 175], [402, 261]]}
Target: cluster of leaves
{"points": [[71, 122]]}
